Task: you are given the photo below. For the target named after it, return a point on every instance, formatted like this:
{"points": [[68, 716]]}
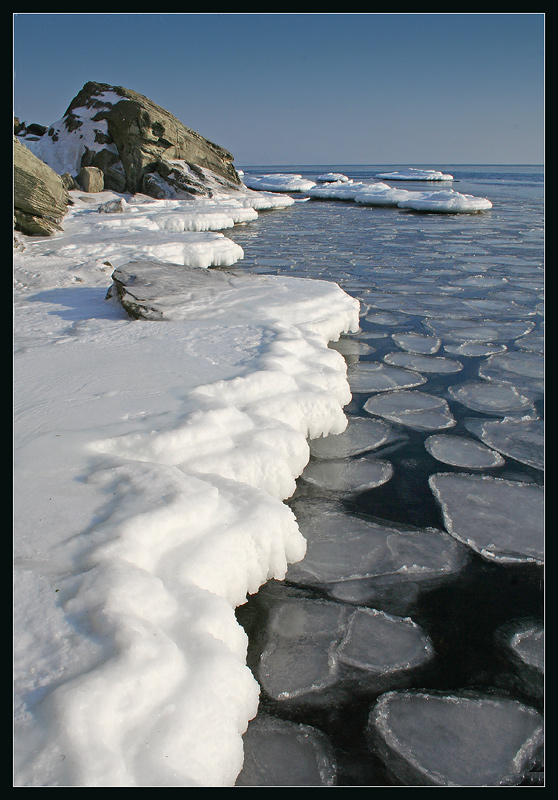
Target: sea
{"points": [[431, 275]]}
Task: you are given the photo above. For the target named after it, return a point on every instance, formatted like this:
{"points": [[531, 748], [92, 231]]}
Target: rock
{"points": [[91, 179], [40, 196], [138, 145]]}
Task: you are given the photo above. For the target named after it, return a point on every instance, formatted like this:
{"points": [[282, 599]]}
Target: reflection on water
{"points": [[452, 310]]}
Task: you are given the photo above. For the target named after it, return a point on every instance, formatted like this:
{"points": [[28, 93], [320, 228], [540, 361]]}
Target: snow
{"points": [[333, 186], [151, 462], [413, 174]]}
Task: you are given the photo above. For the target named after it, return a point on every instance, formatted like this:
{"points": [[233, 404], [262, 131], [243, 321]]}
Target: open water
{"points": [[426, 274]]}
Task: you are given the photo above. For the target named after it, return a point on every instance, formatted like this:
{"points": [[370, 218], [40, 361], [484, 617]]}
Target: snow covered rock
{"points": [[455, 740], [127, 136], [40, 197]]}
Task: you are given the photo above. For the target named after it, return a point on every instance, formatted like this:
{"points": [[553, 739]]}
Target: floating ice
{"points": [[361, 435], [464, 330], [413, 174], [417, 343], [316, 650], [347, 476], [345, 548], [422, 363], [413, 409], [281, 753], [326, 177], [502, 520], [523, 369], [446, 202], [373, 376], [521, 439], [494, 398], [522, 641], [474, 349], [455, 740], [278, 182], [384, 318], [461, 452]]}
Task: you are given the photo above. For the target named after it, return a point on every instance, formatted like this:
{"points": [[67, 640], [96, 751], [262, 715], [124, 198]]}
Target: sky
{"points": [[279, 89]]}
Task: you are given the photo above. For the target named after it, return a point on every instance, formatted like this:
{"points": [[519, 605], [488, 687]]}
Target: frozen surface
{"points": [[417, 343], [522, 642], [281, 753], [314, 648], [278, 182], [361, 436], [448, 202], [346, 548], [521, 439], [151, 460], [422, 363], [417, 410], [453, 740], [494, 398], [354, 475], [414, 174], [500, 519], [461, 452], [373, 376]]}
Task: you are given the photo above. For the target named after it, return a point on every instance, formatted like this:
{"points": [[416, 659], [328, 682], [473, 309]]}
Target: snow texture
{"points": [[151, 463]]}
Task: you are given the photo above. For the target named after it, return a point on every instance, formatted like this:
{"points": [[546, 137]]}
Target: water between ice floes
{"points": [[423, 520]]}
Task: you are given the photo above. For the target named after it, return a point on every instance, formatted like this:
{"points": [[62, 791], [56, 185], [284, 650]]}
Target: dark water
{"points": [[395, 261]]}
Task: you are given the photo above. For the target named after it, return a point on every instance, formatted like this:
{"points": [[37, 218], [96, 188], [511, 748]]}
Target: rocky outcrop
{"points": [[40, 196], [137, 145]]}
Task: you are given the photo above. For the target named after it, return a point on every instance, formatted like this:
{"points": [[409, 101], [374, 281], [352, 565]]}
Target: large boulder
{"points": [[138, 145], [40, 196]]}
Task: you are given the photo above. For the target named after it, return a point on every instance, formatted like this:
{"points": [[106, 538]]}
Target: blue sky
{"points": [[307, 88]]}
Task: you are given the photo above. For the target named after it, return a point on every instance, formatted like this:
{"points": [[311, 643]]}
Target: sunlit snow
{"points": [[151, 463]]}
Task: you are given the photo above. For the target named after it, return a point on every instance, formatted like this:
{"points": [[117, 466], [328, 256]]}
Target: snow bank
{"points": [[151, 461]]}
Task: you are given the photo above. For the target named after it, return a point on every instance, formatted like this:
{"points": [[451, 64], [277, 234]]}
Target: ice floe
{"points": [[373, 376], [413, 174], [316, 650], [361, 436], [417, 343], [520, 439], [421, 363], [278, 182], [354, 475], [414, 409], [501, 520], [446, 201], [345, 548], [461, 452], [282, 753], [493, 398], [522, 642], [449, 739]]}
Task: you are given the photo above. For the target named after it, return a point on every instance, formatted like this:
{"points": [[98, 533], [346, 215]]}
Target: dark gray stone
{"points": [[40, 195]]}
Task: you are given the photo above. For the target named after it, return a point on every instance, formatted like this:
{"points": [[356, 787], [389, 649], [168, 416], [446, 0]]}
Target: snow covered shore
{"points": [[151, 463]]}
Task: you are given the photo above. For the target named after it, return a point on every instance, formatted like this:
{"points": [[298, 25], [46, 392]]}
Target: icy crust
{"points": [[162, 506], [455, 739], [501, 520]]}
